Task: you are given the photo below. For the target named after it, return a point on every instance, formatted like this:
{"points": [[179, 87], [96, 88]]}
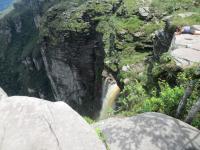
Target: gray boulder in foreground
{"points": [[149, 131], [33, 124]]}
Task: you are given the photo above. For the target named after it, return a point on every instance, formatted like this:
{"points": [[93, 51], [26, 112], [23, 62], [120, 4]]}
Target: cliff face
{"points": [[76, 43], [73, 60], [66, 64], [21, 65], [68, 68], [22, 68]]}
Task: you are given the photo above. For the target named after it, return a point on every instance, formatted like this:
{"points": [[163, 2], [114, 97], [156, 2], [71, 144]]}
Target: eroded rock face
{"points": [[34, 124], [69, 64], [74, 59], [21, 67], [5, 36], [163, 39], [185, 49], [149, 131]]}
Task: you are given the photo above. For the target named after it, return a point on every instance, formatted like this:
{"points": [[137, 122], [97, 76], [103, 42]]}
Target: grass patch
{"points": [[102, 137], [131, 6], [151, 27], [191, 20], [88, 120], [131, 24], [132, 57], [170, 6]]}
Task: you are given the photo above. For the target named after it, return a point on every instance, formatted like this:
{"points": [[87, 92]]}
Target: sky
{"points": [[4, 4]]}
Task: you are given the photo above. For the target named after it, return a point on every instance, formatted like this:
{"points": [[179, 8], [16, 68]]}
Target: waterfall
{"points": [[109, 94]]}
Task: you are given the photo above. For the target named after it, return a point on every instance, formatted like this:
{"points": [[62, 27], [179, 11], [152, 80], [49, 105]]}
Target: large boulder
{"points": [[144, 12], [34, 124], [149, 131], [185, 49]]}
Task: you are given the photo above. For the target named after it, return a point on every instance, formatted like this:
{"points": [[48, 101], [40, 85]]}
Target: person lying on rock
{"points": [[187, 30]]}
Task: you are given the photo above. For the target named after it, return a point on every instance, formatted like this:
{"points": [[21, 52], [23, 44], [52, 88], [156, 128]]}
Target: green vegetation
{"points": [[153, 85], [171, 6], [151, 27], [191, 20], [167, 102], [89, 120], [130, 7], [161, 95], [131, 98], [132, 57], [102, 137], [19, 45], [131, 24]]}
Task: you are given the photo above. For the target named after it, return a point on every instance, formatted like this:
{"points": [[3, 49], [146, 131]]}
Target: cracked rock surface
{"points": [[33, 124], [186, 49]]}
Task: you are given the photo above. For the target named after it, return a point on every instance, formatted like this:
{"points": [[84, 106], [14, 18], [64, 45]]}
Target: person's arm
{"points": [[179, 32]]}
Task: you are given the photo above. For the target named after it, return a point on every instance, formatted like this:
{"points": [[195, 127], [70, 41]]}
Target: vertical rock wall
{"points": [[21, 66], [67, 66], [74, 62]]}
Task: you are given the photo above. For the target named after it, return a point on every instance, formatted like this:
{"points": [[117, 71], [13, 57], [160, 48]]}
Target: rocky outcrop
{"points": [[30, 123], [144, 13], [73, 55], [163, 39], [149, 131], [76, 39], [185, 49], [66, 64], [22, 69]]}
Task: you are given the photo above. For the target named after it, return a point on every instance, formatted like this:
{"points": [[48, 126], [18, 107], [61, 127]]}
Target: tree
{"points": [[183, 101], [193, 112]]}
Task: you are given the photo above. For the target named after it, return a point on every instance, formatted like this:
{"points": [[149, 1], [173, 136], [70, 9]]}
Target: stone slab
{"points": [[149, 131], [185, 49]]}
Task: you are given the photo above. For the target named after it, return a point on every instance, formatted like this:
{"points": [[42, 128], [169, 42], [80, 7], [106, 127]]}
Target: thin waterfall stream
{"points": [[110, 93]]}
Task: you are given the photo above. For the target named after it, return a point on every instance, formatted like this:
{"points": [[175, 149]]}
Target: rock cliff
{"points": [[22, 70], [73, 57], [66, 64], [58, 49], [22, 67], [78, 41]]}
